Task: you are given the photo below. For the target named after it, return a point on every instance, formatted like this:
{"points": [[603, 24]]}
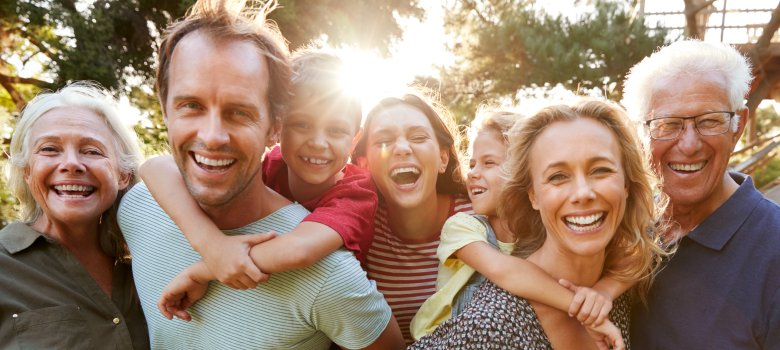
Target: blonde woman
{"points": [[580, 199]]}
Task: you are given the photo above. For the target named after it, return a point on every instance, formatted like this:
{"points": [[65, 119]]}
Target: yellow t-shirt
{"points": [[460, 230]]}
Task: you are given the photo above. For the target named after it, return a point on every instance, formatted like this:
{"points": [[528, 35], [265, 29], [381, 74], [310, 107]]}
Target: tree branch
{"points": [[32, 81], [769, 30], [473, 7], [692, 9], [16, 97]]}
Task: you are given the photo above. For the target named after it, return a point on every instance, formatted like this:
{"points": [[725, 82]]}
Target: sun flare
{"points": [[371, 77]]}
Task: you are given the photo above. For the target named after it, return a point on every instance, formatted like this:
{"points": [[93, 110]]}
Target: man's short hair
{"points": [[687, 59], [232, 20]]}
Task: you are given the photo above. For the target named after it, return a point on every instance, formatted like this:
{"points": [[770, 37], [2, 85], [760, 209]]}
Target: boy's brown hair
{"points": [[317, 80]]}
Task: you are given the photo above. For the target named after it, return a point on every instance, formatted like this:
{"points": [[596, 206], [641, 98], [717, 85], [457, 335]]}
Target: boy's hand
{"points": [[181, 293], [228, 259], [607, 336], [589, 306]]}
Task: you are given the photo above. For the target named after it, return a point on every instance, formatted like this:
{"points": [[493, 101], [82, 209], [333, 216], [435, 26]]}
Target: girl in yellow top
{"points": [[481, 245]]}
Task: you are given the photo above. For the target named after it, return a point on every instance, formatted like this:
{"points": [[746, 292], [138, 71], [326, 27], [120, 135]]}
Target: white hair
{"points": [[79, 94], [688, 59]]}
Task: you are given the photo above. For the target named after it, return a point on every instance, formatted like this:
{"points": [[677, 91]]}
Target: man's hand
{"points": [[228, 259]]}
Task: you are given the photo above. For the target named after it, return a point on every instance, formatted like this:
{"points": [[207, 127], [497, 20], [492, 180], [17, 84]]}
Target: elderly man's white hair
{"points": [[687, 59]]}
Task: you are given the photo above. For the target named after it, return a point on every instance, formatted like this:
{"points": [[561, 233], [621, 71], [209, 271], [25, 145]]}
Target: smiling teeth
{"points": [[687, 167], [74, 188], [397, 171], [584, 220], [213, 162], [315, 161], [476, 191]]}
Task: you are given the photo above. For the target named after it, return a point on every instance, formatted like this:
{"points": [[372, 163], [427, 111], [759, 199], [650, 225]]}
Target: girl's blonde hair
{"points": [[497, 120]]}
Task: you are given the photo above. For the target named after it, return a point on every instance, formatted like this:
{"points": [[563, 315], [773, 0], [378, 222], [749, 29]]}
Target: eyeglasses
{"points": [[706, 124]]}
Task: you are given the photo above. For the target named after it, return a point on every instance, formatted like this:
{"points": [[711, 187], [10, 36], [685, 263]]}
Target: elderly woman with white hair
{"points": [[65, 278]]}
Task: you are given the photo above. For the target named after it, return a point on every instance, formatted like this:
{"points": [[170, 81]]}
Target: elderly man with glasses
{"points": [[721, 289]]}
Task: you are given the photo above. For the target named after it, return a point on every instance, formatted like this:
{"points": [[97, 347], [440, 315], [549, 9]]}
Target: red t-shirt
{"points": [[348, 207]]}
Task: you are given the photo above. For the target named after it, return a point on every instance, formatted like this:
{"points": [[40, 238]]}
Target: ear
{"points": [[744, 114], [124, 179], [445, 160], [532, 199]]}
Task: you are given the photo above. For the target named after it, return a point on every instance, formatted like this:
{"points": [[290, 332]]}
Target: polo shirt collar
{"points": [[18, 236], [715, 231]]}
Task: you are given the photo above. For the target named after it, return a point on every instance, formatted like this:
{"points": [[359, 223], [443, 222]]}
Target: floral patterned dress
{"points": [[497, 319]]}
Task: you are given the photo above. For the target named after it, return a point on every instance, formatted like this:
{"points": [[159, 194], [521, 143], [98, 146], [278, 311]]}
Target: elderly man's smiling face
{"points": [[693, 166]]}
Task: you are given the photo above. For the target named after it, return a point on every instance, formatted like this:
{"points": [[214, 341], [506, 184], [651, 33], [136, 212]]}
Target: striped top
{"points": [[405, 272], [300, 309]]}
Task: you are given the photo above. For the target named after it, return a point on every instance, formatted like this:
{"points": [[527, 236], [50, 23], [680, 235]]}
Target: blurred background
{"points": [[469, 52]]}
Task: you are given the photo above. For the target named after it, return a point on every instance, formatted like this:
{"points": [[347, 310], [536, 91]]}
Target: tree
{"points": [[113, 42], [502, 46]]}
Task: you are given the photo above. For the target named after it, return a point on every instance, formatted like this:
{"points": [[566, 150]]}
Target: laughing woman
{"points": [[65, 279], [409, 147], [579, 213]]}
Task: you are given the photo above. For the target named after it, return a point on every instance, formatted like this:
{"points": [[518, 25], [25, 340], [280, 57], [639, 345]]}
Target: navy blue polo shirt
{"points": [[721, 290]]}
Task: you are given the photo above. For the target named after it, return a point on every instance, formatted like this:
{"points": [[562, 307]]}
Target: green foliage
{"points": [[767, 121], [768, 124], [151, 130], [113, 42], [502, 46], [110, 42], [768, 173], [9, 209]]}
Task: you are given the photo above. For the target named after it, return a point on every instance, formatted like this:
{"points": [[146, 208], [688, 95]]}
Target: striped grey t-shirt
{"points": [[300, 309]]}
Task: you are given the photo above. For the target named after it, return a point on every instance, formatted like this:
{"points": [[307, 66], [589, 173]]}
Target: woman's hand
{"points": [[590, 307]]}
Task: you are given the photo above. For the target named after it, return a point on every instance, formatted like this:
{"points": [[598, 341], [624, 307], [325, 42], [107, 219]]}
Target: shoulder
{"points": [[463, 224], [273, 161], [138, 196], [356, 178], [17, 237], [461, 204], [282, 220], [139, 209]]}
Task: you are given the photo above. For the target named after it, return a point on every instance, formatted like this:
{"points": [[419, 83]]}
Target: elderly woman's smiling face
{"points": [[73, 170]]}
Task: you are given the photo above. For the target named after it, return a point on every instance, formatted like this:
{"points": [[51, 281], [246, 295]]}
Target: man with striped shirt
{"points": [[222, 82]]}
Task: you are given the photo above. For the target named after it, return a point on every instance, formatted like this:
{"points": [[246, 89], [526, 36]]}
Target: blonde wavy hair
{"points": [[634, 253]]}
